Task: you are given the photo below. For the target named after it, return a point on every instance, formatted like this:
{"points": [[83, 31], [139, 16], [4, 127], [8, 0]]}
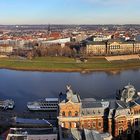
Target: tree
{"points": [[30, 55]]}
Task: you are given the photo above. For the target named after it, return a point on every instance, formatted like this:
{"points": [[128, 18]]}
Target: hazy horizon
{"points": [[65, 24], [90, 12]]}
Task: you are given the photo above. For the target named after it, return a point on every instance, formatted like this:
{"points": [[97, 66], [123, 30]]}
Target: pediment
{"points": [[69, 105], [114, 43]]}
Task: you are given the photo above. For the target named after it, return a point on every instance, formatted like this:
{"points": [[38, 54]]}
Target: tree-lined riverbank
{"points": [[66, 64]]}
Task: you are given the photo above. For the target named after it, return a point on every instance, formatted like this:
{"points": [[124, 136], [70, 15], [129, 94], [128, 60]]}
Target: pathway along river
{"points": [[24, 86]]}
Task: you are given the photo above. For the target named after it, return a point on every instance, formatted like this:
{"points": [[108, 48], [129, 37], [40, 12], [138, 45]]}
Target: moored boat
{"points": [[49, 104], [7, 104]]}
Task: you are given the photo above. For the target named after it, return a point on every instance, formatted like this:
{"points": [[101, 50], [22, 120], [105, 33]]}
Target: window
{"points": [[99, 124], [89, 124], [76, 113], [69, 113], [94, 125], [136, 122], [128, 131], [74, 124], [70, 125], [120, 130], [63, 124], [77, 124], [63, 113], [129, 123], [120, 122]]}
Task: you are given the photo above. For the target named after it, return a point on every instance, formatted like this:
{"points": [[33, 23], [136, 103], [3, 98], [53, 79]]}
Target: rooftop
{"points": [[69, 96], [95, 135], [32, 122], [31, 131]]}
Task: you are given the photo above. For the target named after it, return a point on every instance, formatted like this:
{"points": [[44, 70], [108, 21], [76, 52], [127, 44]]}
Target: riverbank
{"points": [[65, 64]]}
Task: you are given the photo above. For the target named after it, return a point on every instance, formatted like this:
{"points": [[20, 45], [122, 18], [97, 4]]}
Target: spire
{"points": [[49, 29]]}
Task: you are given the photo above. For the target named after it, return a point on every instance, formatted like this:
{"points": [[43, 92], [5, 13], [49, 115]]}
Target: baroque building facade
{"points": [[112, 47], [120, 117]]}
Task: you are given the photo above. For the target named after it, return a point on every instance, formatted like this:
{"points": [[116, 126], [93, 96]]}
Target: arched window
{"points": [[89, 124], [129, 123], [94, 125], [74, 124], [99, 124], [120, 130], [63, 124], [63, 113], [136, 122], [69, 113], [76, 113], [70, 125], [77, 124]]}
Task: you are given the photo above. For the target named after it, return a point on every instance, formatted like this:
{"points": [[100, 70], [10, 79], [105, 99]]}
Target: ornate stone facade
{"points": [[118, 117], [112, 47]]}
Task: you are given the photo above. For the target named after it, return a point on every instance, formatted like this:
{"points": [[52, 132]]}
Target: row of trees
{"points": [[54, 51], [41, 51]]}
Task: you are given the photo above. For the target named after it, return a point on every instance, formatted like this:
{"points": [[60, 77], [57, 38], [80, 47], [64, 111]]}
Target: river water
{"points": [[24, 86]]}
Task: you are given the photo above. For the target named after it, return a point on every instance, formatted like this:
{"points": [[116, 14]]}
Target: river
{"points": [[24, 86]]}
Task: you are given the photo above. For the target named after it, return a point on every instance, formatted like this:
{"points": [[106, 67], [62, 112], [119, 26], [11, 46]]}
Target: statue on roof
{"points": [[128, 93], [69, 92]]}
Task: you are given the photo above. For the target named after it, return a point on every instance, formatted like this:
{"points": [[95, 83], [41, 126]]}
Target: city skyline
{"points": [[69, 12]]}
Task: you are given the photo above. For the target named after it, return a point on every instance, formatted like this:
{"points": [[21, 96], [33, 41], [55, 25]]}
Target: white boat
{"points": [[43, 105], [7, 104]]}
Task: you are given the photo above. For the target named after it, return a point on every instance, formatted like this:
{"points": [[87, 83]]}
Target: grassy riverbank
{"points": [[67, 64]]}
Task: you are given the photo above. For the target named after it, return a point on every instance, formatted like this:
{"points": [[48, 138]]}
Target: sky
{"points": [[69, 11]]}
